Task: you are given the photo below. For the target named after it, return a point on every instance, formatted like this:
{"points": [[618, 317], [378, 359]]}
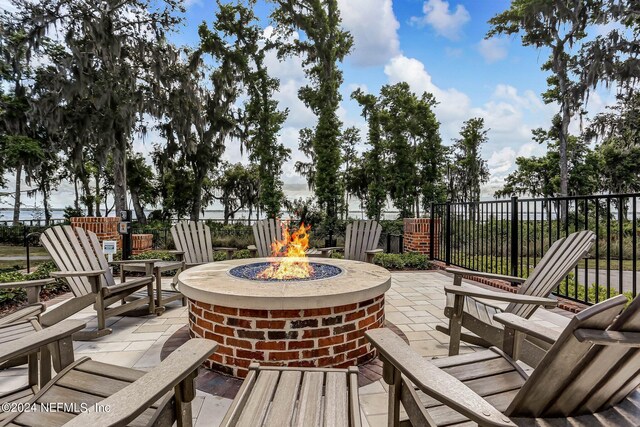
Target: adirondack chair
{"points": [[589, 376], [35, 307], [193, 243], [282, 396], [105, 394], [465, 309], [265, 232], [78, 255], [361, 241]]}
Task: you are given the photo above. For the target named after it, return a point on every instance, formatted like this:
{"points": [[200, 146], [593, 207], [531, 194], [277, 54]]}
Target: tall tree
{"points": [[368, 179], [397, 103], [236, 188], [140, 180], [322, 46], [20, 146], [115, 56], [262, 119], [470, 169], [348, 141], [540, 176], [558, 25], [618, 131], [614, 55]]}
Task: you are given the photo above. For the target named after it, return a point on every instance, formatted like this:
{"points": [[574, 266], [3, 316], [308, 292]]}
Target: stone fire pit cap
{"points": [[211, 283]]}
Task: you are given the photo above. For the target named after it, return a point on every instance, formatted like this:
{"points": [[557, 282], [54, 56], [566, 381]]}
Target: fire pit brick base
{"points": [[319, 337]]}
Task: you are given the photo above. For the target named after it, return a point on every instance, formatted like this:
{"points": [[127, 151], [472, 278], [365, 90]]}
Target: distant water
{"points": [[34, 215]]}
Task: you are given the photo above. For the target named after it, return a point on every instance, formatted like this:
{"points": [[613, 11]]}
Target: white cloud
{"points": [[445, 22], [508, 114], [501, 161], [189, 3], [453, 104], [374, 29], [493, 49]]}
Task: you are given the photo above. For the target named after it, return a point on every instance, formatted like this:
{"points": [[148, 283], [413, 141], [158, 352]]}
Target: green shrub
{"points": [[19, 294], [416, 260], [241, 254], [220, 255], [390, 261], [569, 289], [163, 255], [411, 260], [337, 255]]}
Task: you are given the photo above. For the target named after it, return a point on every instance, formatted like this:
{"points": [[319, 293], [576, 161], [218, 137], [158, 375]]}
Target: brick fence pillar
{"points": [[106, 228], [141, 243], [417, 235]]}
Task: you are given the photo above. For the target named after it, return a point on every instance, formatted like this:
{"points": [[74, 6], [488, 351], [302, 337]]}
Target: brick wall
{"points": [[417, 235], [141, 243], [106, 228], [321, 337]]}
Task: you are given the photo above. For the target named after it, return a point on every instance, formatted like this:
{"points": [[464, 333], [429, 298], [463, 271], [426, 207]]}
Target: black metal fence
{"points": [[510, 236]]}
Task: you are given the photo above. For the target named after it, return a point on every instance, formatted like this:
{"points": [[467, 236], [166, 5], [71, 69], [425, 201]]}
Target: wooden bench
{"points": [[281, 396]]}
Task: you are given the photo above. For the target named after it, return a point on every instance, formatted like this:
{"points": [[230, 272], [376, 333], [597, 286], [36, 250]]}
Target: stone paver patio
{"points": [[415, 304]]}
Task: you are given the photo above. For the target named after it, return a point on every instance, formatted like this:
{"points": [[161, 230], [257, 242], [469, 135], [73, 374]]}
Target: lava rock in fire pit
{"points": [[251, 271]]}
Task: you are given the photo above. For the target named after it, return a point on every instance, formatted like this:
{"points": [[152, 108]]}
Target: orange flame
{"points": [[292, 250]]}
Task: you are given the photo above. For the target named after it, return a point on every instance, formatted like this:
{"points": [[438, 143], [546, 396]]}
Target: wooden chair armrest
{"points": [[27, 283], [176, 252], [32, 342], [476, 292], [253, 250], [374, 251], [177, 371], [87, 273], [600, 337], [192, 264], [135, 261], [433, 381], [331, 248], [459, 272], [527, 326], [129, 284], [222, 248]]}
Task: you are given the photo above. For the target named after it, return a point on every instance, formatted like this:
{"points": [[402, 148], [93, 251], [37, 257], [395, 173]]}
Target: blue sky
{"points": [[434, 45], [437, 46]]}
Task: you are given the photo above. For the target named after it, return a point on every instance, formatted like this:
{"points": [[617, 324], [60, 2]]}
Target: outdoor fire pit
{"points": [[316, 321]]}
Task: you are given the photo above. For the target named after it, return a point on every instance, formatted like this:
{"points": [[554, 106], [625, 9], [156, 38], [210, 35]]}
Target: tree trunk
{"points": [[119, 175], [226, 211], [196, 206], [97, 199], [76, 201], [16, 205], [47, 209], [86, 189], [137, 207]]}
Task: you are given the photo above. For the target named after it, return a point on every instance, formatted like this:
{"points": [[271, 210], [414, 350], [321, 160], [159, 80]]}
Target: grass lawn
{"points": [[15, 251]]}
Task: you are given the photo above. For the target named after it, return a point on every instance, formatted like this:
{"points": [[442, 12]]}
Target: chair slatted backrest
{"points": [[74, 249], [576, 378], [361, 236], [265, 232], [194, 239], [558, 261]]}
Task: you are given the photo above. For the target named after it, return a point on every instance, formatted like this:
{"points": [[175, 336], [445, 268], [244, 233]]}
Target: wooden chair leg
{"points": [[185, 392], [393, 377], [102, 324], [455, 325]]}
